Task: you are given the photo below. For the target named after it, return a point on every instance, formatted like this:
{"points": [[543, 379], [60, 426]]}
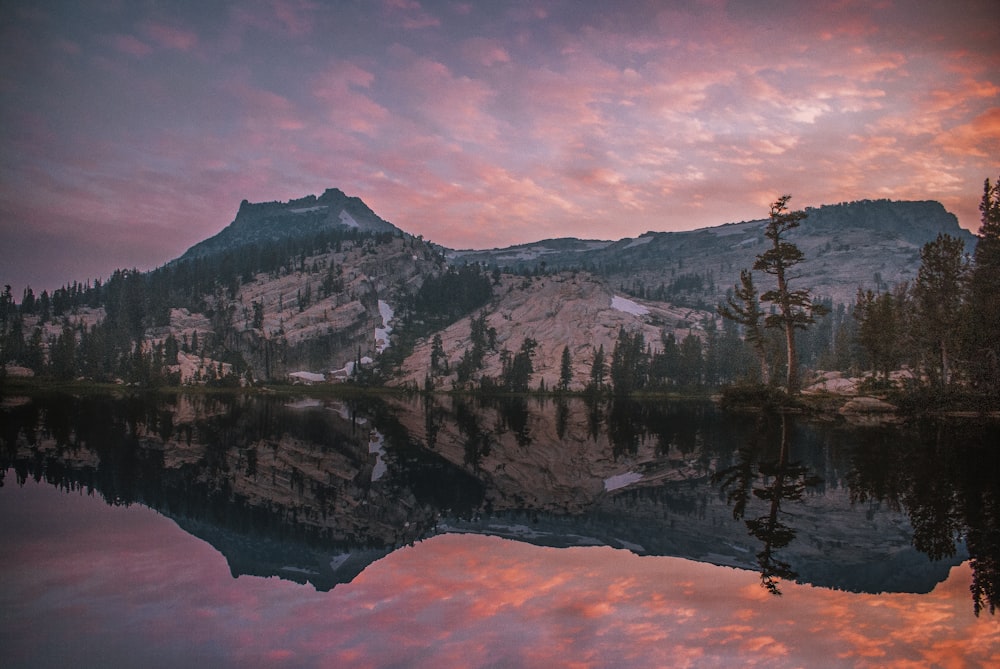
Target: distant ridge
{"points": [[266, 222], [846, 245]]}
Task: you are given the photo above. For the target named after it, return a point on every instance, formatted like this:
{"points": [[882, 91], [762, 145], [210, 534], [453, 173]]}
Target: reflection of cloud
{"points": [[145, 587]]}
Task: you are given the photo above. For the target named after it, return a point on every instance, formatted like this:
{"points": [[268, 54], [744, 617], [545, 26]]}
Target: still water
{"points": [[414, 532]]}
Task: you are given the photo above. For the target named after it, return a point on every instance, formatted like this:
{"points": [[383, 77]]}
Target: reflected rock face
{"points": [[315, 490]]}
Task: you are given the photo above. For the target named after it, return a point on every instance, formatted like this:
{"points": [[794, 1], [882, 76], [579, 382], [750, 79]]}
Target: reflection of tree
{"points": [[772, 480], [477, 442], [513, 413], [946, 477], [562, 416], [625, 425], [595, 415]]}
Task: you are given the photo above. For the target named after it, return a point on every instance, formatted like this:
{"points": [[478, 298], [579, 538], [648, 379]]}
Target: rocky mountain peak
{"points": [[269, 222]]}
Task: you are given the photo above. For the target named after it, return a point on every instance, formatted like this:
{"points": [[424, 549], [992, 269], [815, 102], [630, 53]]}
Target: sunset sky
{"points": [[130, 130]]}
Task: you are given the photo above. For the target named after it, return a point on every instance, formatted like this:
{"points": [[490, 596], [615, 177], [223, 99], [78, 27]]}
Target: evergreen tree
{"points": [[598, 370], [518, 370], [745, 310], [7, 307], [28, 302], [170, 350], [939, 292], [438, 356], [63, 355], [34, 354], [691, 362], [258, 315], [565, 369], [795, 308], [982, 333], [880, 330], [629, 362]]}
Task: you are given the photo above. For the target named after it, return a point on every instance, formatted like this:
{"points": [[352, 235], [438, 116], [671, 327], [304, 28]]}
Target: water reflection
{"points": [[775, 480], [314, 491]]}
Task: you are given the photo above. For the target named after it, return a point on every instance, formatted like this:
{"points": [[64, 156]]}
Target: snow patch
{"points": [[304, 404], [300, 570], [307, 377], [376, 445], [639, 241], [347, 370], [628, 545], [382, 333], [621, 480], [348, 220], [306, 210], [337, 561], [628, 306]]}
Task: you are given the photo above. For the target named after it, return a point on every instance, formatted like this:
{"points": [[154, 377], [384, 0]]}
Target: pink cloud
{"points": [[484, 52], [342, 89], [171, 37], [410, 14], [131, 45]]}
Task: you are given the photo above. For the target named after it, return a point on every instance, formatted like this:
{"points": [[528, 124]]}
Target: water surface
{"points": [[246, 531]]}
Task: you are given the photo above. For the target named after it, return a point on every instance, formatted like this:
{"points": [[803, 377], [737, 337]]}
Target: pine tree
{"points": [[982, 333], [745, 310], [565, 370], [880, 330], [598, 369], [438, 355], [796, 309], [939, 292]]}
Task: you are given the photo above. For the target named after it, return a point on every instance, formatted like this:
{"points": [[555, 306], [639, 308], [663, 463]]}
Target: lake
{"points": [[208, 530]]}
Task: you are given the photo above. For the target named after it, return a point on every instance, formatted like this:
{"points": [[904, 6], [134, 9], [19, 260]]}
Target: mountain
{"points": [[263, 222], [866, 243], [305, 290]]}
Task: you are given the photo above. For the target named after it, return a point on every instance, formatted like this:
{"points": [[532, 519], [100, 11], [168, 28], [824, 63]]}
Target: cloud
{"points": [[484, 52], [171, 37], [131, 45], [410, 14]]}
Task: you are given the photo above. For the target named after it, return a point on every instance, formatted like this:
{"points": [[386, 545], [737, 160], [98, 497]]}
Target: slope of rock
{"points": [[571, 309]]}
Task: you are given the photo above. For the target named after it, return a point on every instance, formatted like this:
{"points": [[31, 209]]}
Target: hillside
{"points": [[867, 243], [306, 289]]}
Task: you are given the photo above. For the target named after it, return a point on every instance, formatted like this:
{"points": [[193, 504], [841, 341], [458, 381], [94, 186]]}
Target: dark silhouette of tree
{"points": [[939, 293], [982, 331], [795, 308], [565, 369], [598, 370], [773, 481], [880, 330], [744, 308], [517, 370], [439, 361], [629, 362]]}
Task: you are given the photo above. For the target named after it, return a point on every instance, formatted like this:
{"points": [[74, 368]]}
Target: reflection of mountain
{"points": [[314, 491]]}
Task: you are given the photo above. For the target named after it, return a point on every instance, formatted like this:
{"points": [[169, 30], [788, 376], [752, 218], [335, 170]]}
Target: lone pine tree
{"points": [[794, 308]]}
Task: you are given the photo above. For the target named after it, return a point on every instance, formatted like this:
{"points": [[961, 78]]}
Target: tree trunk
{"points": [[945, 372], [792, 377], [765, 370], [792, 372]]}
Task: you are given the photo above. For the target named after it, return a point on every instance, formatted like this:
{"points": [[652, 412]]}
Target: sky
{"points": [[131, 130]]}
